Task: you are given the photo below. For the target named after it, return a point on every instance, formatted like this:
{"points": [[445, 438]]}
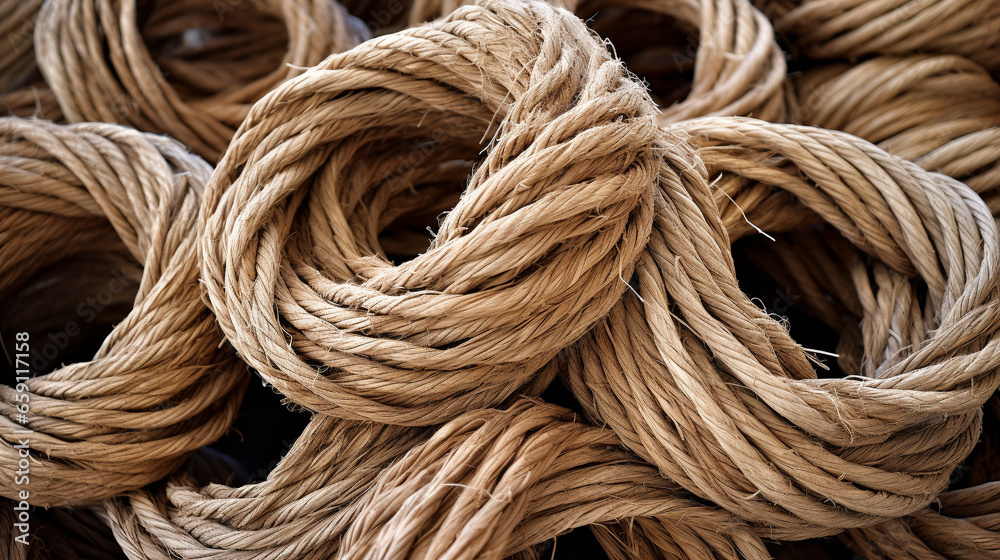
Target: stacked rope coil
{"points": [[160, 386], [697, 379], [488, 484], [825, 29], [587, 232], [942, 112], [738, 68], [960, 522], [105, 60], [539, 246]]}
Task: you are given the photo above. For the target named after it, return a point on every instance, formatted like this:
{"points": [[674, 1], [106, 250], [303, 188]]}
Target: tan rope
{"points": [[701, 382], [942, 112], [826, 29], [539, 246], [963, 528], [160, 386], [205, 64], [31, 101], [738, 67], [17, 26], [486, 485], [959, 525]]}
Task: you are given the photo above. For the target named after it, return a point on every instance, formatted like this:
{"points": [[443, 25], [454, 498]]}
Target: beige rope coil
{"points": [[57, 534], [962, 527], [32, 101], [942, 112], [187, 68], [738, 67], [702, 383], [539, 246], [17, 60], [160, 386], [486, 485], [826, 29], [961, 524]]}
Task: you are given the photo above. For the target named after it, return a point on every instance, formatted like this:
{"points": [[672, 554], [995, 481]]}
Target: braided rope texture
{"points": [[248, 185]]}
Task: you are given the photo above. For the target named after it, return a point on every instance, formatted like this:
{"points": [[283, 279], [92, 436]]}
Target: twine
{"points": [[17, 61], [738, 67], [941, 112], [33, 101], [539, 246], [486, 485], [826, 29], [58, 534], [144, 403], [576, 231], [959, 524], [219, 57], [702, 383]]}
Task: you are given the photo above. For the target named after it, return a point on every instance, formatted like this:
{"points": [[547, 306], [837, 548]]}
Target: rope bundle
{"points": [[159, 387], [486, 485], [578, 234], [702, 383], [539, 246], [852, 28], [105, 60], [738, 67], [960, 524], [942, 112]]}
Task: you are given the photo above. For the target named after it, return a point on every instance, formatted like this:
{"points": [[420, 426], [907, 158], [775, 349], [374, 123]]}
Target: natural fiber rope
{"points": [[809, 265], [486, 485], [82, 534], [962, 527], [58, 534], [219, 57], [32, 101], [961, 524], [160, 386], [830, 29], [738, 67], [17, 60], [698, 380], [538, 248], [942, 112]]}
